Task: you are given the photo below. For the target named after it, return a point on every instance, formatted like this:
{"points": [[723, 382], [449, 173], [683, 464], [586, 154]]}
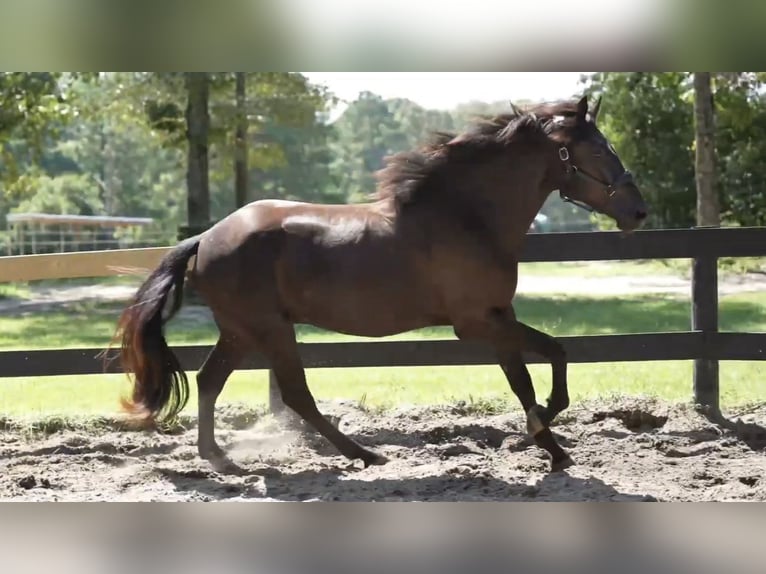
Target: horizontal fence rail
{"points": [[82, 264], [581, 349], [542, 247], [703, 344], [655, 244]]}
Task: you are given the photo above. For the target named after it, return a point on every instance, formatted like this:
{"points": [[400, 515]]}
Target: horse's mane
{"points": [[406, 175]]}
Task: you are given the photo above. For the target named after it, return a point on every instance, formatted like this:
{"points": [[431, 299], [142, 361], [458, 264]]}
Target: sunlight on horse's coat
{"points": [[335, 232]]}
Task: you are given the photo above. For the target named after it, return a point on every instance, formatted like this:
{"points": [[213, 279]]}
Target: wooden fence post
{"points": [[705, 319]]}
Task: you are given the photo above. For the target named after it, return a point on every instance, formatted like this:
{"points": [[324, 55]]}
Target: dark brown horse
{"points": [[439, 244]]}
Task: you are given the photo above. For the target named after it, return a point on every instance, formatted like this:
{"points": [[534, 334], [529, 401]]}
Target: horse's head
{"points": [[592, 174]]}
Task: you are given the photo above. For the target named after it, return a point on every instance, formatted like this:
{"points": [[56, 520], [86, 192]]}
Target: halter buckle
{"points": [[563, 154]]}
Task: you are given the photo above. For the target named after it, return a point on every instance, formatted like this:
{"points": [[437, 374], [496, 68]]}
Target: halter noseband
{"points": [[573, 171]]}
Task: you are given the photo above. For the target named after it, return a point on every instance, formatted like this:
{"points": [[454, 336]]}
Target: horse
{"points": [[436, 244]]}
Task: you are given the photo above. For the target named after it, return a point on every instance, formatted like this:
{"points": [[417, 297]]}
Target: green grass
{"points": [[13, 291], [678, 267], [91, 325], [741, 383], [88, 324], [606, 269]]}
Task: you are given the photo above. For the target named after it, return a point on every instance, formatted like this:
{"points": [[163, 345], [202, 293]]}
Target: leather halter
{"points": [[573, 171]]}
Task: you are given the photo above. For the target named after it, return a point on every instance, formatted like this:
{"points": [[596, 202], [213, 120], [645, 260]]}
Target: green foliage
{"points": [[32, 105], [465, 113], [417, 123], [741, 148], [304, 170], [114, 143], [92, 324], [365, 134], [126, 153], [68, 193], [649, 118]]}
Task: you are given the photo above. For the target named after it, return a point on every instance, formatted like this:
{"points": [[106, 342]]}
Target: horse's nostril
{"points": [[641, 215]]}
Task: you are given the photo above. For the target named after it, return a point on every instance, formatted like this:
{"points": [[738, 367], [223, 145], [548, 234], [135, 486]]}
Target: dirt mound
{"points": [[625, 450]]}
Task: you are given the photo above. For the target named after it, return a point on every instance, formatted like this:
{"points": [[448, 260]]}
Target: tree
{"points": [[32, 105], [272, 100], [364, 135], [740, 142], [32, 108], [708, 209], [649, 119], [240, 161], [136, 133], [110, 153], [416, 122], [123, 158], [197, 129]]}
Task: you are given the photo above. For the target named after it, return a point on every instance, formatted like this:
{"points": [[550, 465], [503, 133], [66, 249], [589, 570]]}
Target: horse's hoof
{"points": [[224, 465], [534, 423], [374, 459], [211, 453], [562, 464], [221, 463]]}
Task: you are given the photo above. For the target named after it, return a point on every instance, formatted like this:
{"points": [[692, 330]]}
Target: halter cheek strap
{"points": [[573, 171]]}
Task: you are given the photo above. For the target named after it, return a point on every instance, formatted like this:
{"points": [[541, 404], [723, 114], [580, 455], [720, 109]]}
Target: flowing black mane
{"points": [[406, 174]]}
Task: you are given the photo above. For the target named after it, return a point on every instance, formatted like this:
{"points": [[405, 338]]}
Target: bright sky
{"points": [[444, 90]]}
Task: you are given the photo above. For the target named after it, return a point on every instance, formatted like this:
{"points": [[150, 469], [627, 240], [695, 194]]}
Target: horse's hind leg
{"points": [[226, 355], [280, 346]]}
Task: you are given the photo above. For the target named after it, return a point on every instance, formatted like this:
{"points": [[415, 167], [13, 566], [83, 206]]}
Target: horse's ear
{"points": [[582, 108], [596, 110]]}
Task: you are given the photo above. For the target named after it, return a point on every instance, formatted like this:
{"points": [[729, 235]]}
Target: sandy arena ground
{"points": [[625, 451]]}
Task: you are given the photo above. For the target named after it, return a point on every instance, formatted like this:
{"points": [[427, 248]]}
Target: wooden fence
{"points": [[703, 342]]}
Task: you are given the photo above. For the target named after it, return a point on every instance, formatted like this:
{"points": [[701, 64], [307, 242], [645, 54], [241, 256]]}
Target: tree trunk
{"points": [[708, 209], [197, 129], [240, 158]]}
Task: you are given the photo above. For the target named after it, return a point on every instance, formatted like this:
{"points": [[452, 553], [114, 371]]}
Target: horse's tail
{"points": [[160, 385]]}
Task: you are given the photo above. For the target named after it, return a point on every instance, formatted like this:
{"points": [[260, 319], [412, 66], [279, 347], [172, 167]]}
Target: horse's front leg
{"points": [[510, 338], [538, 417], [546, 346]]}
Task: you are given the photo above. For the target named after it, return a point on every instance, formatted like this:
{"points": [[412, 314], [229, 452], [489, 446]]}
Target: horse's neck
{"points": [[475, 201], [510, 212]]}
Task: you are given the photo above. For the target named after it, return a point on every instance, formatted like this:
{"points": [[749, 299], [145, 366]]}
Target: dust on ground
{"points": [[625, 450]]}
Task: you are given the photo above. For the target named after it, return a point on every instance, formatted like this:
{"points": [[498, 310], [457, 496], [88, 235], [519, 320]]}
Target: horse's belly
{"points": [[372, 288], [364, 304], [365, 310]]}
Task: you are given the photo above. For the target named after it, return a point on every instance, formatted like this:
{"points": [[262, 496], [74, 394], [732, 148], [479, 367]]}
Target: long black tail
{"points": [[160, 385]]}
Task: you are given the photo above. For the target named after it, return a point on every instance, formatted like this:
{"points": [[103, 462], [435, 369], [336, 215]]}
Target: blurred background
{"points": [[95, 160], [109, 160]]}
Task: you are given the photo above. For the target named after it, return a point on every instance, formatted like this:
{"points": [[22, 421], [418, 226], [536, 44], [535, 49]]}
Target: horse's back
{"points": [[330, 265], [352, 272]]}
